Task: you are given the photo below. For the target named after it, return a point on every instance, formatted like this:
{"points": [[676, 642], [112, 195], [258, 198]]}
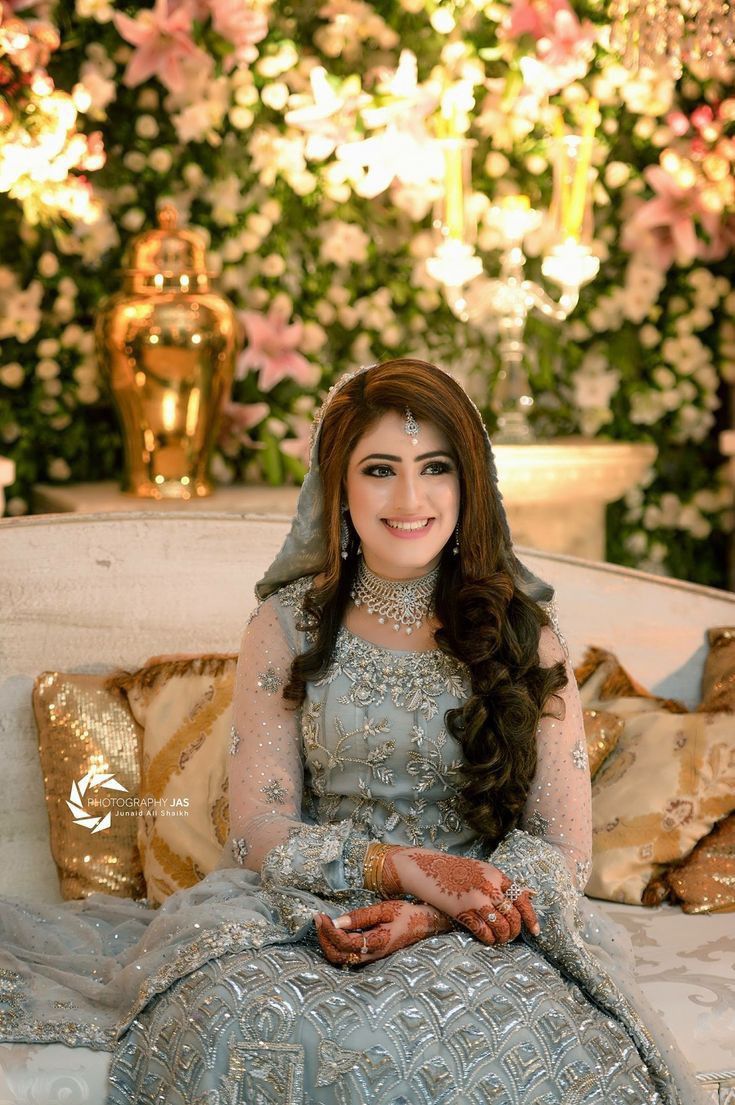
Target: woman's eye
{"points": [[434, 468]]}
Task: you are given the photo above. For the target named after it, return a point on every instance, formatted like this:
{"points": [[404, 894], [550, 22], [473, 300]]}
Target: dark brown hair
{"points": [[487, 621]]}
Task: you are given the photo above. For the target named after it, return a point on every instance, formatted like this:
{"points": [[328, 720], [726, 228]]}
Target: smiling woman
{"points": [[403, 506]]}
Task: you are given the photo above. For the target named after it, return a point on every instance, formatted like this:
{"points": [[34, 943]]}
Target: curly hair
{"points": [[486, 620]]}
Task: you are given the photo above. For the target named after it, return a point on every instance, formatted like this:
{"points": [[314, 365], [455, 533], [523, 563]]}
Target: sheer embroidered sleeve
{"points": [[558, 804], [267, 832]]}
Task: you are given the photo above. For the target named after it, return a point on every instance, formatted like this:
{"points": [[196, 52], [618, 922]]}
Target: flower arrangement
{"points": [[300, 140]]}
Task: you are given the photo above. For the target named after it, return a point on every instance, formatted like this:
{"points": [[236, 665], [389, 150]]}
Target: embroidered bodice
{"points": [[368, 756]]}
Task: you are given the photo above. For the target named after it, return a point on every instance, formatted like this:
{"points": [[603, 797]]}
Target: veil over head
{"points": [[302, 551]]}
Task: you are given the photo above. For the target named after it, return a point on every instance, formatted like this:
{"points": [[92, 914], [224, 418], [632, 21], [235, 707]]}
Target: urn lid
{"points": [[167, 252]]}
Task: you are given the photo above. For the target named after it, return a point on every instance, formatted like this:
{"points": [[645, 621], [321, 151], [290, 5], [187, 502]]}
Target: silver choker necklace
{"points": [[404, 602]]}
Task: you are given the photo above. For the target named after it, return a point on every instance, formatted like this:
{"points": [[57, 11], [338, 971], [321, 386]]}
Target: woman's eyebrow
{"points": [[421, 456]]}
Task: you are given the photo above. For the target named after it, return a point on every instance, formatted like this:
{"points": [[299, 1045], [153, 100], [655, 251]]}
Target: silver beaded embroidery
{"points": [[274, 792], [270, 680]]}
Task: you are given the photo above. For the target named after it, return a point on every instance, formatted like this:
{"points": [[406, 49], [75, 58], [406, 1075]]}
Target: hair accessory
{"points": [[405, 602], [411, 427]]}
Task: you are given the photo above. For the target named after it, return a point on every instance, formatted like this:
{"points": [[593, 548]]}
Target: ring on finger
{"points": [[504, 907], [514, 891], [491, 917], [364, 948]]}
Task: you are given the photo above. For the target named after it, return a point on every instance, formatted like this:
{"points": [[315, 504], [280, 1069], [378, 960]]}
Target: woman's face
{"points": [[391, 484]]}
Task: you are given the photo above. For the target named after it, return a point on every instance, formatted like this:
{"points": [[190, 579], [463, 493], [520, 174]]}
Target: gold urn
{"points": [[166, 346]]}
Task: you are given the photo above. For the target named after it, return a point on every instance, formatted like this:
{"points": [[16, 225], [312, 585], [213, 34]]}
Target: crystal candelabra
{"points": [[660, 35], [568, 262]]}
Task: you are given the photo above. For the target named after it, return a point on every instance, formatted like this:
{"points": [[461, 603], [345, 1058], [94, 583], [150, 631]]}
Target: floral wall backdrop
{"points": [[298, 137]]}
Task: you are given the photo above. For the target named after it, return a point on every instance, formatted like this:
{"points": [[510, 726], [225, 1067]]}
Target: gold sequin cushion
{"points": [[705, 882], [184, 707], [602, 731], [88, 748], [718, 678], [669, 780]]}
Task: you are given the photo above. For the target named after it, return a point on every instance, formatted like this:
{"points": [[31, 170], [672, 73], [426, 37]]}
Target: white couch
{"points": [[90, 593]]}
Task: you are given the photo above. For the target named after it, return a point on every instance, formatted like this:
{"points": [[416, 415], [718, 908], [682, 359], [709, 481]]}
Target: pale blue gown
{"points": [[223, 994]]}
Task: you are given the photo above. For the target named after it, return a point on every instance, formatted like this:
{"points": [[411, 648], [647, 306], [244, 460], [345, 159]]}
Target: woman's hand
{"points": [[377, 930], [473, 893]]}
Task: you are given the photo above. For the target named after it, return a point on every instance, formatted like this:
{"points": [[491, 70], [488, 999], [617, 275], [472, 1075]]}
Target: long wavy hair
{"points": [[486, 620]]}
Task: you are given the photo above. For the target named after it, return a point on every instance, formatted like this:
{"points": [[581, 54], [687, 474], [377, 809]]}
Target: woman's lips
{"points": [[409, 534]]}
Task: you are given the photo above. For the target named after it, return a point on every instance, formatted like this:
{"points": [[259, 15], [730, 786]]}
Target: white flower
{"points": [[146, 126], [275, 95], [193, 175], [496, 165], [48, 264], [241, 117], [392, 335], [594, 390], [325, 312], [10, 432], [12, 375], [348, 317], [48, 347], [47, 369], [617, 173], [135, 161], [226, 199], [16, 506], [273, 265], [160, 160], [88, 394], [58, 469], [636, 543], [133, 219], [313, 338], [646, 407], [649, 336], [52, 387], [343, 243], [100, 10]]}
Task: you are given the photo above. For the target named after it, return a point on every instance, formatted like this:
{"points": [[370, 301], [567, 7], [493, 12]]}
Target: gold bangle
{"points": [[372, 872]]}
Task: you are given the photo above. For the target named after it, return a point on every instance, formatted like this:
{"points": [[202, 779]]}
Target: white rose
{"points": [[48, 264], [636, 543], [12, 375], [133, 219], [649, 335], [58, 469], [313, 338], [146, 126], [273, 265], [52, 387], [16, 506], [259, 223], [496, 165], [47, 369], [348, 317], [68, 287], [392, 335], [71, 335], [64, 308], [160, 160], [275, 95], [135, 161], [617, 173], [325, 312], [88, 394], [10, 432], [241, 117], [48, 347]]}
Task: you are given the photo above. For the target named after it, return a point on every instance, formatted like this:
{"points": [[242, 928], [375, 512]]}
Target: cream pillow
{"points": [[184, 707], [668, 781]]}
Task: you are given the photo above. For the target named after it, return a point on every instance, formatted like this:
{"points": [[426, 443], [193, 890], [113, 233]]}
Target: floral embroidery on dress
{"points": [[270, 680], [536, 825], [579, 756], [553, 612], [274, 791], [240, 850]]}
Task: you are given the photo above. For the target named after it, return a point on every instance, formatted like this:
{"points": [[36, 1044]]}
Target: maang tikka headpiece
{"points": [[411, 427]]}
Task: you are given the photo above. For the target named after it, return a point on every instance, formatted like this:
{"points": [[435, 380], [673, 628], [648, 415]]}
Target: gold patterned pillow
{"points": [[88, 748], [602, 731], [718, 677], [670, 778], [184, 707]]}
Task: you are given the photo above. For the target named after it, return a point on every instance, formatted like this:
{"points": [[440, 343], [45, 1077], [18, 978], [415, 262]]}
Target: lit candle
{"points": [[580, 182], [454, 188]]}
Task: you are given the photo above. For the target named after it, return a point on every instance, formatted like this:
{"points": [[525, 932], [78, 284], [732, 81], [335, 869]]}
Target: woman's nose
{"points": [[408, 493]]}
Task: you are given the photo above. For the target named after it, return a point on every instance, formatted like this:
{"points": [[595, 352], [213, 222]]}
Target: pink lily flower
{"points": [[533, 17], [271, 350], [162, 38], [237, 419], [240, 25], [667, 224]]}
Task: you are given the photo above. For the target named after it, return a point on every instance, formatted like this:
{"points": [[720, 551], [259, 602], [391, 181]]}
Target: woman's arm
{"points": [[267, 832], [558, 808]]}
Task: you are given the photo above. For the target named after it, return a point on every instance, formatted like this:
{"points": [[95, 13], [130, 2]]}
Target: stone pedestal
{"points": [[555, 493], [7, 476]]}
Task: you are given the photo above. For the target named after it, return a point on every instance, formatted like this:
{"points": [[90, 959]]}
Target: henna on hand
{"points": [[382, 929]]}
